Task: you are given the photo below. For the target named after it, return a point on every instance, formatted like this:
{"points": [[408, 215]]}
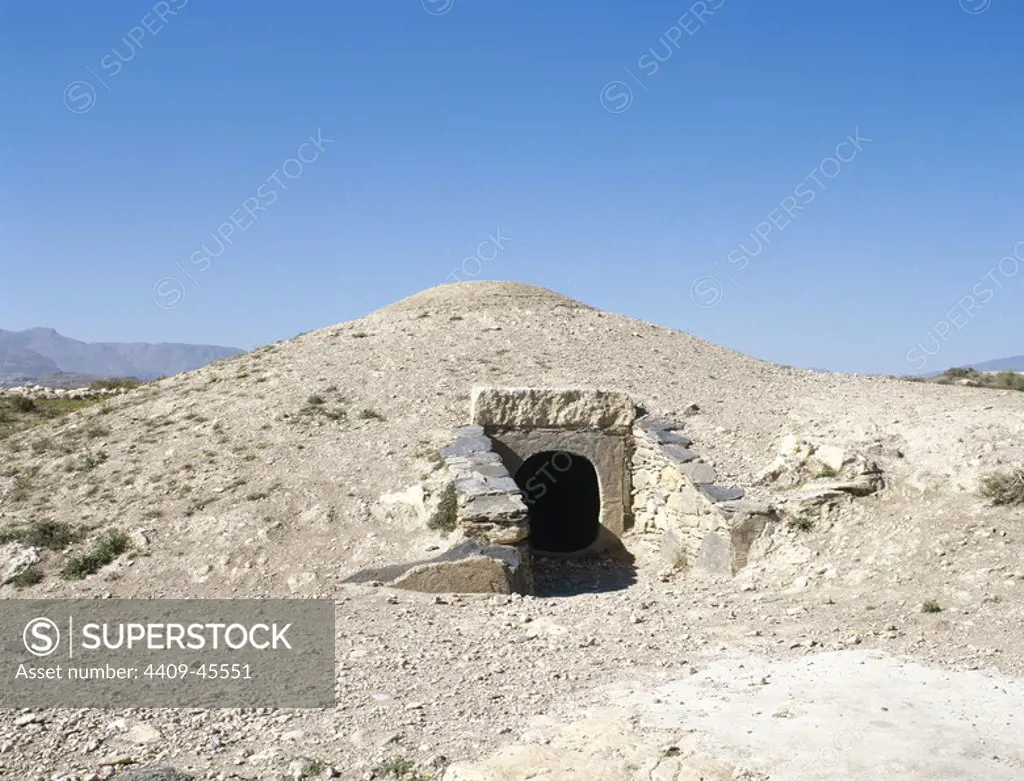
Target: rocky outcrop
{"points": [[15, 558], [800, 462]]}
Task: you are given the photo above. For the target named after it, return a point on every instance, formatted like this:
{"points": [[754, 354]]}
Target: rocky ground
{"points": [[222, 477]]}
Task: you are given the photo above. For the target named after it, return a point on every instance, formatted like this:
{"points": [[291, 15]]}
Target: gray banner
{"points": [[167, 653]]}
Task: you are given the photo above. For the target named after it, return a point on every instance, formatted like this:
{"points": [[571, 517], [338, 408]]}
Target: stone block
{"points": [[699, 472], [669, 478], [674, 549], [500, 570], [555, 408], [715, 554], [641, 478]]}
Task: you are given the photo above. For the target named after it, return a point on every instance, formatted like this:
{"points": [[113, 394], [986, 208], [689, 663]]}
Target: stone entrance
{"points": [[563, 500], [573, 471]]}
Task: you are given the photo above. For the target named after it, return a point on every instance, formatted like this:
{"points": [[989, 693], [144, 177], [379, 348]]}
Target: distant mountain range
{"points": [[1013, 364], [42, 353]]}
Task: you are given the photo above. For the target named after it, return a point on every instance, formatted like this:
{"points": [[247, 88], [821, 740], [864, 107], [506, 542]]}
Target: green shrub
{"points": [[51, 535], [116, 383], [27, 577], [1010, 380], [24, 404], [801, 524], [959, 372], [107, 548], [1006, 488], [930, 606], [371, 414], [446, 518]]}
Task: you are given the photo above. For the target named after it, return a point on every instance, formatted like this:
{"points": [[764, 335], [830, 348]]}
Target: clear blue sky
{"points": [[495, 113]]}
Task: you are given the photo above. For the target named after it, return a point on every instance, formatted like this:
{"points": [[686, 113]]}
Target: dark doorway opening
{"points": [[564, 499]]}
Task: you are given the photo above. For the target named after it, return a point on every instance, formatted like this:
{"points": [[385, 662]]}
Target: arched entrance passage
{"points": [[562, 493]]}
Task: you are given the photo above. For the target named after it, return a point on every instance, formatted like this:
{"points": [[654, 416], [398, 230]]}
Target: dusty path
{"points": [[832, 716]]}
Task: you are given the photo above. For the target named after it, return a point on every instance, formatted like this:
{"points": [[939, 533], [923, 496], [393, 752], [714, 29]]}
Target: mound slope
{"points": [[264, 475], [229, 471]]}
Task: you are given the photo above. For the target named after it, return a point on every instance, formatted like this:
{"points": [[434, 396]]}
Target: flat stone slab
{"points": [[553, 408], [745, 507], [469, 570], [678, 453], [479, 485], [721, 493], [501, 508], [655, 425], [672, 438], [465, 446], [698, 472]]}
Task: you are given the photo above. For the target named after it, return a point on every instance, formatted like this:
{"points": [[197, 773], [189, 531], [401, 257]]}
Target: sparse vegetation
{"points": [[446, 518], [28, 577], [1004, 488], [315, 768], [316, 400], [801, 524], [86, 462], [116, 383], [18, 413], [398, 769], [827, 471], [930, 606], [198, 505], [371, 414], [49, 535], [103, 552], [1005, 380], [23, 404]]}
